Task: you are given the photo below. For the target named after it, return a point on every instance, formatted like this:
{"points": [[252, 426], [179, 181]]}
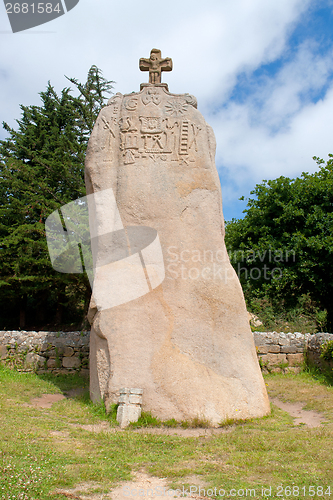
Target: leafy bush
{"points": [[282, 250], [327, 351]]}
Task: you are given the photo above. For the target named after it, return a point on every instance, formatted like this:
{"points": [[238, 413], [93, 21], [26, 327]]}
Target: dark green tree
{"points": [[41, 169], [283, 247]]}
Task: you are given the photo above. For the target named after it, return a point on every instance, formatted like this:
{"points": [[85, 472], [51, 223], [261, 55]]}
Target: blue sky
{"points": [[262, 72]]}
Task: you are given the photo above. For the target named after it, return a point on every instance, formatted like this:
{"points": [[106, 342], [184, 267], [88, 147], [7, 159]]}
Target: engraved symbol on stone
{"points": [[115, 102], [153, 143], [183, 143], [131, 141], [151, 95], [190, 99], [171, 137], [155, 65], [131, 103], [184, 161], [153, 135], [156, 142], [176, 107], [195, 131], [128, 141], [129, 157], [126, 124], [151, 125], [107, 126]]}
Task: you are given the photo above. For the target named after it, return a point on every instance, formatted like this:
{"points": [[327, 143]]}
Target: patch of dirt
{"points": [[81, 492], [46, 400], [60, 434], [142, 486], [194, 480], [308, 417], [178, 431], [165, 431]]}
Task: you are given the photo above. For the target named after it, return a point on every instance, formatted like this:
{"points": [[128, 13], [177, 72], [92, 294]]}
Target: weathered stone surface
{"points": [[290, 349], [187, 343], [262, 349], [254, 320], [295, 359], [293, 369], [274, 348], [68, 351], [274, 359], [51, 363], [3, 351], [283, 341], [72, 362], [33, 360]]}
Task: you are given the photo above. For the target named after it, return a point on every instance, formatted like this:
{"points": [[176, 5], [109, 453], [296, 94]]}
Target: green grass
{"points": [[45, 449]]}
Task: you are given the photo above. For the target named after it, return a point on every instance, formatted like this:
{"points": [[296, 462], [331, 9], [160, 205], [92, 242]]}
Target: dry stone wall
{"points": [[65, 352], [286, 351], [57, 352], [314, 350], [281, 351]]}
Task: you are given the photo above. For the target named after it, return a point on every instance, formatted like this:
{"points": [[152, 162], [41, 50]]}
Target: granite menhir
{"points": [[183, 337]]}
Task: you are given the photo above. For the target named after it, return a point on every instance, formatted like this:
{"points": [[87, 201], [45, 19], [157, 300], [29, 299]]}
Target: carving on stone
{"points": [[191, 100], [153, 143], [151, 124], [188, 137], [151, 95], [195, 131], [172, 137], [129, 157], [154, 135], [115, 102], [157, 138], [108, 126], [155, 65], [176, 107], [126, 125], [131, 103], [128, 141], [183, 143]]}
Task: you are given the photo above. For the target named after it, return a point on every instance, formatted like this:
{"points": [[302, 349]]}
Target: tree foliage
{"points": [[283, 248], [41, 169]]}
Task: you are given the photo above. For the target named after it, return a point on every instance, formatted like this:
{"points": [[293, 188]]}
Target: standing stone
{"points": [[186, 343]]}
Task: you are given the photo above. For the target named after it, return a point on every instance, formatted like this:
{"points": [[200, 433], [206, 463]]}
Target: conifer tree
{"points": [[42, 169]]}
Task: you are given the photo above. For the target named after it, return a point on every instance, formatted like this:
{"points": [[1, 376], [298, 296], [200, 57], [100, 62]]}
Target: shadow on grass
{"points": [[66, 382], [76, 386], [323, 376]]}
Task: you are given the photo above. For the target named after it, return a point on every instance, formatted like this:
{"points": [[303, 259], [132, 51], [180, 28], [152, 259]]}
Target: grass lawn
{"points": [[42, 449]]}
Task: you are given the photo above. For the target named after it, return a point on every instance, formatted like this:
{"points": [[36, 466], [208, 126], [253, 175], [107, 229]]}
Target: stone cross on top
{"points": [[155, 65]]}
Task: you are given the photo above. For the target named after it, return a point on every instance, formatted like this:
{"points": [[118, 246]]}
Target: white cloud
{"points": [[278, 129]]}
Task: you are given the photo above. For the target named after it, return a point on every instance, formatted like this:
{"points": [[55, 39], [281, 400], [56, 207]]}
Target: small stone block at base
{"points": [[129, 409]]}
